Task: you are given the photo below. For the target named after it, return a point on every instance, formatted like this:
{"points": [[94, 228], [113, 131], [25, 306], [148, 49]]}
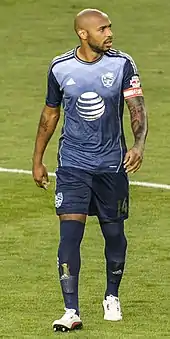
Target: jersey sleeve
{"points": [[54, 94], [131, 82]]}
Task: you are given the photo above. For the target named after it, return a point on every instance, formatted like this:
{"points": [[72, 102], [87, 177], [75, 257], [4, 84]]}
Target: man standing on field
{"points": [[91, 82]]}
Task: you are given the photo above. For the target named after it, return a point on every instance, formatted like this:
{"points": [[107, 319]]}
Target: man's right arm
{"points": [[47, 125]]}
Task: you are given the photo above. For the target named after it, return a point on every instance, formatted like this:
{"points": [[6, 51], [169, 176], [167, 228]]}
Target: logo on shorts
{"points": [[107, 79], [58, 199]]}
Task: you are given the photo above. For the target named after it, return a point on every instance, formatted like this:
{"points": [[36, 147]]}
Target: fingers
{"points": [[132, 161], [133, 168], [128, 159], [45, 177], [45, 181], [45, 184], [42, 184], [40, 175]]}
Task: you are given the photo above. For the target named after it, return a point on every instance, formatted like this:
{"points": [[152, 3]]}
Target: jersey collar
{"points": [[85, 62]]}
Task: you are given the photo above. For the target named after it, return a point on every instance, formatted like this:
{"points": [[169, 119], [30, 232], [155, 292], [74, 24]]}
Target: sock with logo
{"points": [[115, 252], [71, 234]]}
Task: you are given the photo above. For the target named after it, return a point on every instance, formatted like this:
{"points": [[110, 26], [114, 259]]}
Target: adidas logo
{"points": [[70, 82]]}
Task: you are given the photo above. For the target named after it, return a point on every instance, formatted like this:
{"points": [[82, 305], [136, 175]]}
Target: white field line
{"points": [[133, 183]]}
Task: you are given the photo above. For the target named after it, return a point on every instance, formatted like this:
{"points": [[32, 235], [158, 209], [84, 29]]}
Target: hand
{"points": [[40, 176], [133, 160]]}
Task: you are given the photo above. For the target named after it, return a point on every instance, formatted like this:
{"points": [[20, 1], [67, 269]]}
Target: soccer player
{"points": [[91, 82]]}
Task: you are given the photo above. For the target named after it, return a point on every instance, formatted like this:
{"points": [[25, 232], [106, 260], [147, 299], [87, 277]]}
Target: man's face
{"points": [[99, 34]]}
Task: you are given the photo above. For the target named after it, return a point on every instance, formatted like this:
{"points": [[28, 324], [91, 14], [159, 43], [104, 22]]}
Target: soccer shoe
{"points": [[112, 310], [69, 321]]}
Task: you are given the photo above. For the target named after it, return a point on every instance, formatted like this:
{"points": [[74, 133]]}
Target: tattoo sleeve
{"points": [[138, 118], [44, 123]]}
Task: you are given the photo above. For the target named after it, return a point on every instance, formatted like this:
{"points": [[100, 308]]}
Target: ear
{"points": [[82, 34]]}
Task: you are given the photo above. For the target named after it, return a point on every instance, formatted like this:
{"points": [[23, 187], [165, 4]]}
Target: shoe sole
{"points": [[63, 328], [109, 319]]}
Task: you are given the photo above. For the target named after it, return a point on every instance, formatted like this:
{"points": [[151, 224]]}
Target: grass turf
{"points": [[32, 33]]}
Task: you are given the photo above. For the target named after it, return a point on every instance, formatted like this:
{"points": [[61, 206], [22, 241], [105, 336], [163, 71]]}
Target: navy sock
{"points": [[115, 252], [71, 234]]}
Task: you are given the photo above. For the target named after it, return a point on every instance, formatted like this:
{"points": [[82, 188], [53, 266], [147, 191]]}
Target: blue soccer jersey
{"points": [[92, 95]]}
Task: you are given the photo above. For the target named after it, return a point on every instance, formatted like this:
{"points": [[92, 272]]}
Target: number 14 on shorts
{"points": [[122, 208]]}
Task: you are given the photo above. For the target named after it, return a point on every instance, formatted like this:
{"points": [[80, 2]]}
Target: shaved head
{"points": [[87, 17], [93, 28]]}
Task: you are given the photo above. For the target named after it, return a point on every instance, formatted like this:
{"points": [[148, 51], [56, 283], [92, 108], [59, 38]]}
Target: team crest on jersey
{"points": [[135, 82], [58, 199], [107, 79]]}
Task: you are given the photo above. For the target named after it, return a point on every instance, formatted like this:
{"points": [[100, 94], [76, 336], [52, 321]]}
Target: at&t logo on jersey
{"points": [[90, 106]]}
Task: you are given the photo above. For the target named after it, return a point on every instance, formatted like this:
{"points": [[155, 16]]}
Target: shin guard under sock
{"points": [[71, 234], [115, 252]]}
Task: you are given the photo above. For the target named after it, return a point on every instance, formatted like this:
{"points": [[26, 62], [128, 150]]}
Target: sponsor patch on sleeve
{"points": [[135, 82], [133, 92]]}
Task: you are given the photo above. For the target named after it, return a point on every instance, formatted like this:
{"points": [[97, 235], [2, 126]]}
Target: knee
{"points": [[73, 217], [112, 230], [71, 234], [115, 242], [71, 231]]}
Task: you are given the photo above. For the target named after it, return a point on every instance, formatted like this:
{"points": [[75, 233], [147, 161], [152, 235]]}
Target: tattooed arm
{"points": [[139, 125], [47, 124]]}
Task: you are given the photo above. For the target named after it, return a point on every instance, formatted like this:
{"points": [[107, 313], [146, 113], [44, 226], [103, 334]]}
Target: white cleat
{"points": [[112, 310], [68, 322]]}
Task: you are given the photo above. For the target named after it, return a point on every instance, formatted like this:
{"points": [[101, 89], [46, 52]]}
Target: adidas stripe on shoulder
{"points": [[118, 53], [63, 57]]}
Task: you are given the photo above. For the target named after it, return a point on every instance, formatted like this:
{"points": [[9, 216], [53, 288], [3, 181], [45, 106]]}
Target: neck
{"points": [[87, 54]]}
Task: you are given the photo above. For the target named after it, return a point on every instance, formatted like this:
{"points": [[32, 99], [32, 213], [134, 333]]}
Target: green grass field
{"points": [[31, 34]]}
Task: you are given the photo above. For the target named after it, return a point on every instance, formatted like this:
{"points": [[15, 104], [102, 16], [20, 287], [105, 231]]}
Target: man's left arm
{"points": [[139, 124], [133, 96]]}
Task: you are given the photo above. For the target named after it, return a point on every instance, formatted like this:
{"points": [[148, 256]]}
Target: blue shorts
{"points": [[105, 195]]}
